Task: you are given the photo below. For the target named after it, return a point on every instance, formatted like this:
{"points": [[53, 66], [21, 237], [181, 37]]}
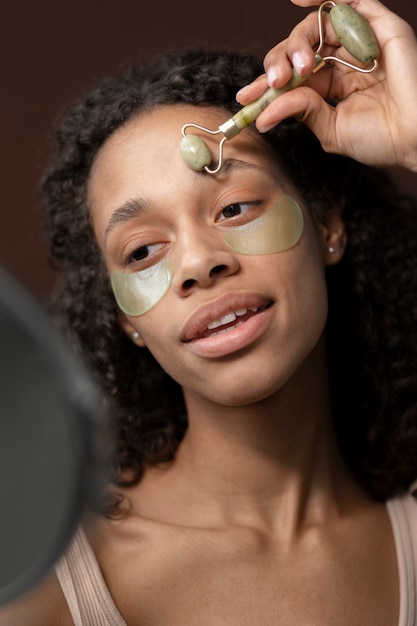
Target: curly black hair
{"points": [[372, 322]]}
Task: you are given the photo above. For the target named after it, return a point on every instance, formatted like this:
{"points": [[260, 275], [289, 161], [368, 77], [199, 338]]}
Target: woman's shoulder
{"points": [[407, 504], [44, 605], [404, 506], [403, 513]]}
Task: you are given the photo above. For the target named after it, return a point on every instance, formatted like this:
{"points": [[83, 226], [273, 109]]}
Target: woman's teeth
{"points": [[229, 318]]}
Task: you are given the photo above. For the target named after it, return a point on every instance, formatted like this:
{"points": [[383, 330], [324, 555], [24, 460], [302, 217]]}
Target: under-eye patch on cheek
{"points": [[275, 231], [138, 292]]}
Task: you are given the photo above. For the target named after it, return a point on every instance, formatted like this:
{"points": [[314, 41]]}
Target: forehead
{"points": [[153, 138], [143, 157]]}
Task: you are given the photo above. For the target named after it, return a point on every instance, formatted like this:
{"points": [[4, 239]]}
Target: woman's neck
{"points": [[272, 461]]}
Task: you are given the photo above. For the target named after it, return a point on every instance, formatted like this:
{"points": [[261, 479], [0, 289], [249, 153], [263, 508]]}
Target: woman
{"points": [[264, 391]]}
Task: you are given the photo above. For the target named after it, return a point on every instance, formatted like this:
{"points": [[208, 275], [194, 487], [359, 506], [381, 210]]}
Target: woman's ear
{"points": [[130, 330], [333, 237]]}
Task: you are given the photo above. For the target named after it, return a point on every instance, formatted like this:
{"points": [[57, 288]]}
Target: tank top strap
{"points": [[403, 516], [83, 585]]}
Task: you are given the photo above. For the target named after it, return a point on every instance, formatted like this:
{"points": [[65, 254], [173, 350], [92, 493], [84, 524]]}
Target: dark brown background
{"points": [[50, 50]]}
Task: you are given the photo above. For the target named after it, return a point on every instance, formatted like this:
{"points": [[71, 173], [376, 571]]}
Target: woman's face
{"points": [[232, 325]]}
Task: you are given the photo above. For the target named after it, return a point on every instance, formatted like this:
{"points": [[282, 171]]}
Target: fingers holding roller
{"points": [[295, 52], [298, 50]]}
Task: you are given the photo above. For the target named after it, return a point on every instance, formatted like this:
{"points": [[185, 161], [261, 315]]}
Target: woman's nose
{"points": [[200, 260]]}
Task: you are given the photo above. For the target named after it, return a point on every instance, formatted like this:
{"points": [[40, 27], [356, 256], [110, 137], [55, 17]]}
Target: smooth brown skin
{"points": [[257, 519], [337, 572], [253, 523]]}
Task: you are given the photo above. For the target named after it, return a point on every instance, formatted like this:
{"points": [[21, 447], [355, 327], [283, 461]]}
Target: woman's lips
{"points": [[227, 322], [227, 325]]}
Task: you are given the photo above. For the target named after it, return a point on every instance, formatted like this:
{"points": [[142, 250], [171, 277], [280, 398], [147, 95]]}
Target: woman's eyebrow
{"points": [[231, 164], [127, 211], [131, 209]]}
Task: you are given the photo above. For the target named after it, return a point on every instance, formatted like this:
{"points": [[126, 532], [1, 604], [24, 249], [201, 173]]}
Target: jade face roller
{"points": [[355, 35]]}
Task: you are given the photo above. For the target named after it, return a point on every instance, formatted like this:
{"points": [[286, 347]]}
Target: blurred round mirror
{"points": [[50, 462]]}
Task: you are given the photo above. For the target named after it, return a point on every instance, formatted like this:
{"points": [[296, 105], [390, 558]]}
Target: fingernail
{"points": [[241, 92], [272, 76], [265, 129], [299, 62]]}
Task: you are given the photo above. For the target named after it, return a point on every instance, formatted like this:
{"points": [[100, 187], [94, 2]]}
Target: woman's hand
{"points": [[375, 119]]}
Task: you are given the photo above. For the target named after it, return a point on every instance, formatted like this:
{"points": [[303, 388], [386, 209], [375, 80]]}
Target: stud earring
{"points": [[332, 250], [135, 335]]}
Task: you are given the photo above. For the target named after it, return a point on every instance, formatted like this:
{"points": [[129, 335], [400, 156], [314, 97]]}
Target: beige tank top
{"points": [[91, 604]]}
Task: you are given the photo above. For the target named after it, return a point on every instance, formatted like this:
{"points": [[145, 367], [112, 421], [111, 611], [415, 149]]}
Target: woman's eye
{"points": [[234, 210], [142, 252]]}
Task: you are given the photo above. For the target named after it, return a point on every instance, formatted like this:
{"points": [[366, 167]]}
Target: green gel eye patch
{"points": [[138, 292], [276, 230]]}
